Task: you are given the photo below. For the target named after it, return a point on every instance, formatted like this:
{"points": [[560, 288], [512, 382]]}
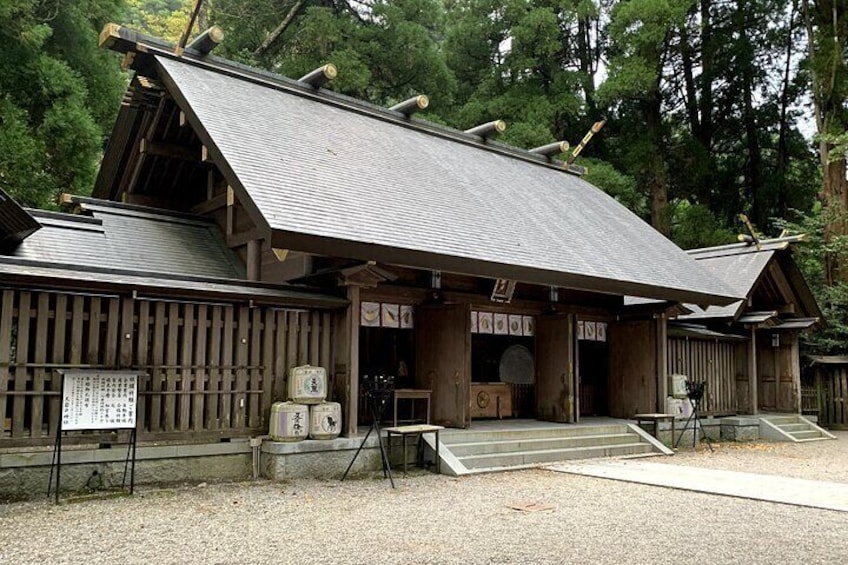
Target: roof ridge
{"points": [[139, 210], [159, 48], [64, 216]]}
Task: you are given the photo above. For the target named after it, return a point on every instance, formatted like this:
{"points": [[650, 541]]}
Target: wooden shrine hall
{"points": [[353, 236]]}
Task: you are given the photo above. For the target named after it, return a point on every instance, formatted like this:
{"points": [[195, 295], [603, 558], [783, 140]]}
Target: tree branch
{"points": [[269, 41]]}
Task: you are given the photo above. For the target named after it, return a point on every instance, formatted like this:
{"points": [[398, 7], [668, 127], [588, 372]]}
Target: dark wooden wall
{"points": [[633, 368], [212, 369], [778, 373], [832, 383], [712, 361]]}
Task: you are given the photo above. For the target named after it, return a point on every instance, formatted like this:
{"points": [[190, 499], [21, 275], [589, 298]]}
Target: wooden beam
{"points": [[127, 61], [206, 154], [183, 119], [170, 150], [149, 131], [781, 282], [214, 203], [207, 41], [231, 211], [786, 309], [244, 237]]}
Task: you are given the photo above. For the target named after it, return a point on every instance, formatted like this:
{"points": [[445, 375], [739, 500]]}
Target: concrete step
{"points": [[529, 458], [782, 420], [536, 444], [792, 428], [450, 437], [806, 434]]}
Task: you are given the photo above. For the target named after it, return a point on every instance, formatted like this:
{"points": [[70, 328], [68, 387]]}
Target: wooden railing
{"points": [[208, 367]]}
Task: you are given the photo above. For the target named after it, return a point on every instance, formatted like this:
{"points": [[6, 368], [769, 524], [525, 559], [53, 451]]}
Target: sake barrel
{"points": [[289, 421], [308, 384], [325, 420]]}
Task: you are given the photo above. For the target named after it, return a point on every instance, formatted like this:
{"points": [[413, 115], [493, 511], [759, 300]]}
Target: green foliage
{"points": [[58, 95], [810, 257], [694, 226], [619, 185], [385, 51]]}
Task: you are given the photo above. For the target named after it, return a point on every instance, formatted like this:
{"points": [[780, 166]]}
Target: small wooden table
{"points": [[417, 430], [655, 419], [412, 394]]}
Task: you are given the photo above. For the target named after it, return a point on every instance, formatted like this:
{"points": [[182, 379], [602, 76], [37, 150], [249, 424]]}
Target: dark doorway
{"points": [[593, 369], [386, 351]]}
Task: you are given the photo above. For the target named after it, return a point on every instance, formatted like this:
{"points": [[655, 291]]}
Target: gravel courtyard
{"points": [[438, 519]]}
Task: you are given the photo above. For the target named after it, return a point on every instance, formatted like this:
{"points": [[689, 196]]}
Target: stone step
{"points": [[535, 444], [806, 434], [449, 437], [529, 458], [782, 420], [792, 428]]}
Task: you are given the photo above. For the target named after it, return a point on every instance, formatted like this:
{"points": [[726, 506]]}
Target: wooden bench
{"points": [[416, 430], [655, 419]]}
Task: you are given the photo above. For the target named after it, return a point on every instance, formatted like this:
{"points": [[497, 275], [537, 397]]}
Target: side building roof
{"points": [[111, 246], [742, 267], [131, 238]]}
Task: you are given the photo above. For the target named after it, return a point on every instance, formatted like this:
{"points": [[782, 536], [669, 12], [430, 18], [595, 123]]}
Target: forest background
{"points": [[713, 107]]}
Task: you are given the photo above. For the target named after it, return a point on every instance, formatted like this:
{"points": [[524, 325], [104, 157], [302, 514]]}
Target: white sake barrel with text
{"points": [[308, 384], [289, 421], [325, 420]]}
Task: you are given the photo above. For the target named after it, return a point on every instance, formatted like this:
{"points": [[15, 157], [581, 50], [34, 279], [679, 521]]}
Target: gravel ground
{"points": [[819, 460], [438, 519]]}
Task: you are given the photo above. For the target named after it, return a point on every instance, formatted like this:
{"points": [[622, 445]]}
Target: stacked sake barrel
{"points": [[306, 414]]}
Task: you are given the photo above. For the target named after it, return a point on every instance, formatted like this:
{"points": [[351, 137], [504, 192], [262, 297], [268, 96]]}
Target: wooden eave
{"points": [[104, 280]]}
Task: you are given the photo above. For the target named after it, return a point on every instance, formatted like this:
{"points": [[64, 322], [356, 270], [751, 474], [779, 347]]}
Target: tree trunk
{"points": [[655, 167], [827, 31]]}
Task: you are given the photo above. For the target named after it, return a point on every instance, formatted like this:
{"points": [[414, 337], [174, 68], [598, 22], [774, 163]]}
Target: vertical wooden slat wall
{"points": [[834, 402], [207, 367], [711, 361]]}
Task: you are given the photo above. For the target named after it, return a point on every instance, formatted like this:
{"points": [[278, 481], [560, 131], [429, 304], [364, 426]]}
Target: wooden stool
{"points": [[417, 430]]}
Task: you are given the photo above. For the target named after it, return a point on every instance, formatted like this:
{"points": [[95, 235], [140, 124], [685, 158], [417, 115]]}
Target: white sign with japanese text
{"points": [[99, 400]]}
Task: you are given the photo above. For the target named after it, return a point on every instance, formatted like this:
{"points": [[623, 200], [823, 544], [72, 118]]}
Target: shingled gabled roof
{"points": [[131, 239], [109, 246], [748, 268], [330, 176]]}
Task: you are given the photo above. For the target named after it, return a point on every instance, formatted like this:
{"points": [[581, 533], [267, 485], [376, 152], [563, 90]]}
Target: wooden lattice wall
{"points": [[210, 368], [832, 383], [712, 361]]}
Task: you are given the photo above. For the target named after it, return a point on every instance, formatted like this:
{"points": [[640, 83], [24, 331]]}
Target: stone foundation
{"points": [[740, 428], [25, 473]]}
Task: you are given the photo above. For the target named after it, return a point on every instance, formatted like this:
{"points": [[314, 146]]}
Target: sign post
{"points": [[97, 400]]}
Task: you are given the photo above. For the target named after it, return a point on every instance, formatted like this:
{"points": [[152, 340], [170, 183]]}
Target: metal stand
{"points": [[56, 463], [94, 425], [377, 405], [695, 394]]}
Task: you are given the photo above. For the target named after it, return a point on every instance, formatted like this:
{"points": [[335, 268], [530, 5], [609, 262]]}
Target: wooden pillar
{"points": [[125, 358], [254, 260], [795, 367], [662, 361], [753, 377], [346, 366]]}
